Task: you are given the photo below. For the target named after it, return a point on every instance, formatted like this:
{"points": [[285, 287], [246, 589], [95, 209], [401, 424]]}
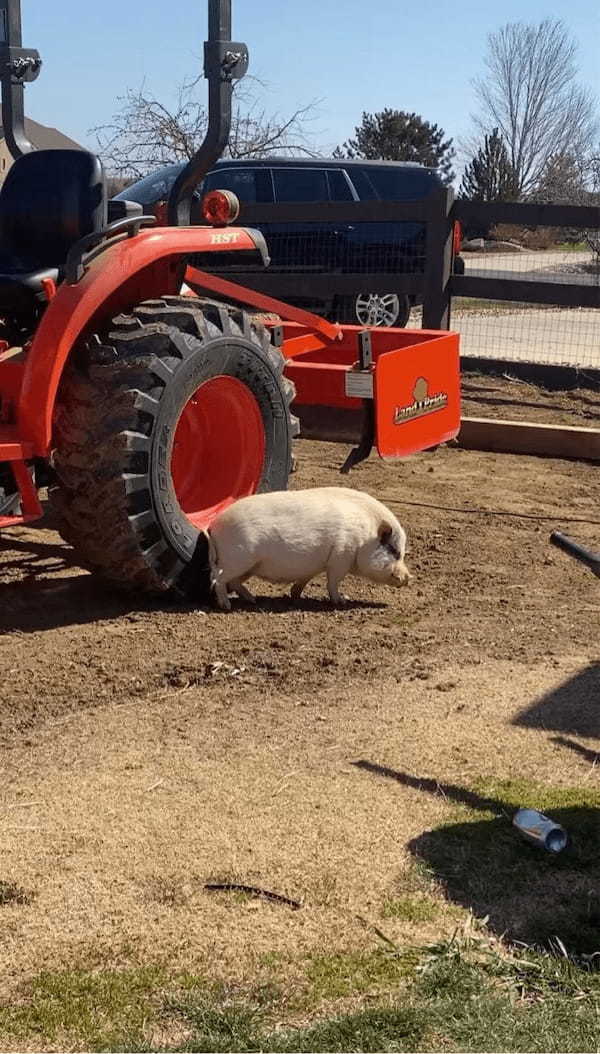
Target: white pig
{"points": [[292, 536]]}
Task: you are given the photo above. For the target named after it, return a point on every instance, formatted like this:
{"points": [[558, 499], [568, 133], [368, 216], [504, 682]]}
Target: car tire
{"points": [[383, 310]]}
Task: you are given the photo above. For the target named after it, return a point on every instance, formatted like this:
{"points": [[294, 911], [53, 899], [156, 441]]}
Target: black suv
{"points": [[320, 247]]}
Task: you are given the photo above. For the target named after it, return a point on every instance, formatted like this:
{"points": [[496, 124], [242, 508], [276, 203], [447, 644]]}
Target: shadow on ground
{"points": [[280, 604], [484, 865], [572, 707], [591, 756], [39, 596]]}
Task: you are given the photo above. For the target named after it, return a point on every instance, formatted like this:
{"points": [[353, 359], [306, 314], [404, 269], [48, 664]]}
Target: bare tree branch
{"points": [[146, 134]]}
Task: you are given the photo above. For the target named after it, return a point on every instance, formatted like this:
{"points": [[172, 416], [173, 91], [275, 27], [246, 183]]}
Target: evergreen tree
{"points": [[394, 135], [490, 175]]}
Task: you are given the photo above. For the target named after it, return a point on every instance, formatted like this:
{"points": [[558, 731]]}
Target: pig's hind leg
{"points": [[298, 588]]}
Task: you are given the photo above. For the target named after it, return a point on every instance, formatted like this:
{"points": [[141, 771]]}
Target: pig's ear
{"points": [[385, 534]]}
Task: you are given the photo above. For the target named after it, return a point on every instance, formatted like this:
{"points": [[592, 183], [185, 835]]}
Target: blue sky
{"points": [[353, 56]]}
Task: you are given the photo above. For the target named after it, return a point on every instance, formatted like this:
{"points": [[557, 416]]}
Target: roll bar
{"points": [[18, 66], [224, 62]]}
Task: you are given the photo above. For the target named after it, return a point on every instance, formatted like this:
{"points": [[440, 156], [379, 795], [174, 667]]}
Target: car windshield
{"points": [[152, 188]]}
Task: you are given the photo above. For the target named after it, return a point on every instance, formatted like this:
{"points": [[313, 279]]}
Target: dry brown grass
{"points": [[142, 803]]}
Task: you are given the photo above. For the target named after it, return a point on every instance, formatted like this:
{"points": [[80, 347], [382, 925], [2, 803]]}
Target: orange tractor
{"points": [[142, 404]]}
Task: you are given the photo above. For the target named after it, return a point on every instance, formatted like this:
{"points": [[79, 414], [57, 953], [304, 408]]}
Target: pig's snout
{"points": [[401, 576]]}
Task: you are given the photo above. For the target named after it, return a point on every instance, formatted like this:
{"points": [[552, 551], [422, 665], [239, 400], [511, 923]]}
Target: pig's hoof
{"points": [[244, 594], [340, 602]]}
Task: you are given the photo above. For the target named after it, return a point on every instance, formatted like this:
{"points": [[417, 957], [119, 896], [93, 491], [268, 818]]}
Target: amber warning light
{"points": [[220, 207]]}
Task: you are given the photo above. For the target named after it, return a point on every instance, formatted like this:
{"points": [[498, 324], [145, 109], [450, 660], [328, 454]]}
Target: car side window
{"points": [[241, 181], [362, 184], [392, 184], [406, 184], [155, 187], [300, 184], [339, 188], [248, 184]]}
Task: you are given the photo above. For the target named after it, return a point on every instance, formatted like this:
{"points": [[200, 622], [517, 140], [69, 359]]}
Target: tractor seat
{"points": [[50, 199], [20, 291]]}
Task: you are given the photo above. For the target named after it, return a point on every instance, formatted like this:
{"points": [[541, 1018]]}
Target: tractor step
{"points": [[12, 448], [17, 453]]}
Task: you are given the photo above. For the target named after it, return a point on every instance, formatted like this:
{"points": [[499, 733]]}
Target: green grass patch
{"points": [[411, 909], [96, 1009], [344, 974], [467, 305], [462, 994], [511, 794], [235, 1026], [381, 1029], [524, 1001], [462, 997], [571, 247], [240, 1027]]}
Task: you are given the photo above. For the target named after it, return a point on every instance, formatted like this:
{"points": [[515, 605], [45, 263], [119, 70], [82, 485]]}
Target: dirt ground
{"points": [[148, 749], [518, 400]]}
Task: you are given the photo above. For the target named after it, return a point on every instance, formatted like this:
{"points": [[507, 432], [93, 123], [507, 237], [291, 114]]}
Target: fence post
{"points": [[438, 261]]}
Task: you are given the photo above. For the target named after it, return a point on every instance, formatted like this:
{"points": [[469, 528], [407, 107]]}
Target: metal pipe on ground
{"points": [[579, 552]]}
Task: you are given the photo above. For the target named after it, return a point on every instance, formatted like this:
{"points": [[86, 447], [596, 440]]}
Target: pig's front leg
{"points": [[337, 570], [238, 587], [221, 592]]}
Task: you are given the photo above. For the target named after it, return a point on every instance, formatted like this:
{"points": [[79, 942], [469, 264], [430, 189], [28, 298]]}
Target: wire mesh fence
{"points": [[529, 332], [536, 333], [508, 309], [359, 248], [327, 256], [320, 248]]}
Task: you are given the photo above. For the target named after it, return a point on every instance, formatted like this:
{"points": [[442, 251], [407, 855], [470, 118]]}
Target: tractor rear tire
{"points": [[179, 408]]}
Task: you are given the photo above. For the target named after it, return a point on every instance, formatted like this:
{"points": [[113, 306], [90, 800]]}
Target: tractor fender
{"points": [[143, 267]]}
